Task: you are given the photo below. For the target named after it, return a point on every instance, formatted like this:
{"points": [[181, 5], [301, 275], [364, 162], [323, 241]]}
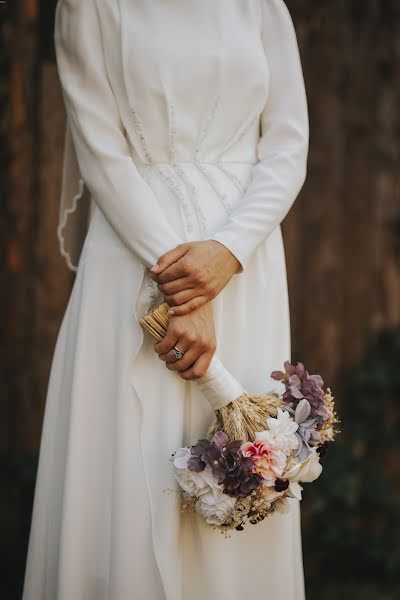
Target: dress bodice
{"points": [[196, 76], [188, 118]]}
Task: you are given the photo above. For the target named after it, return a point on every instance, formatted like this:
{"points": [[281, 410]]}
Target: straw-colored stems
{"points": [[156, 322], [245, 416]]}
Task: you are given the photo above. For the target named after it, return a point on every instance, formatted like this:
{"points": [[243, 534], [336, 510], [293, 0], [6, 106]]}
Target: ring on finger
{"points": [[177, 353]]}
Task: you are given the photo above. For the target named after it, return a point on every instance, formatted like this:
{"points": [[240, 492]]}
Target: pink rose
{"points": [[269, 462]]}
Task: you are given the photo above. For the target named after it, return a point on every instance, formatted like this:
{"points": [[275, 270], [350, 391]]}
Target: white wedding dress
{"points": [[189, 121]]}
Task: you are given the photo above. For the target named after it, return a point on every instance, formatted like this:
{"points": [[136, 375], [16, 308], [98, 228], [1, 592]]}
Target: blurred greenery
{"points": [[18, 473], [351, 517]]}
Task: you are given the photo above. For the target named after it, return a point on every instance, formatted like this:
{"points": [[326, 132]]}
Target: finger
{"points": [[188, 307], [181, 297], [172, 287], [170, 356], [175, 271], [187, 360], [169, 258], [198, 369], [166, 344]]}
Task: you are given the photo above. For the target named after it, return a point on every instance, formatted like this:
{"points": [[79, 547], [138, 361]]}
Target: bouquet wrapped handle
{"points": [[218, 385], [239, 414]]}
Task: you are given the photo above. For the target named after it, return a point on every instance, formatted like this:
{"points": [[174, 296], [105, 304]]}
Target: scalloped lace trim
{"points": [[63, 223]]}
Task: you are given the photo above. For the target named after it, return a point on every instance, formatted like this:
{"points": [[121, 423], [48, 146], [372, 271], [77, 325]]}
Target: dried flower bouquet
{"points": [[259, 449]]}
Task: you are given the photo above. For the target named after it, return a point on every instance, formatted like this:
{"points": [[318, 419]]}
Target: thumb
{"points": [[169, 258]]}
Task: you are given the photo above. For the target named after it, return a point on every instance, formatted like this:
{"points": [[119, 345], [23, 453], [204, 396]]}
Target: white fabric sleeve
{"points": [[282, 149], [102, 150], [218, 385]]}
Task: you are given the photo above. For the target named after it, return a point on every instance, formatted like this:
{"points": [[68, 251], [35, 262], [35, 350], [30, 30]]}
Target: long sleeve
{"points": [[282, 149], [102, 150]]}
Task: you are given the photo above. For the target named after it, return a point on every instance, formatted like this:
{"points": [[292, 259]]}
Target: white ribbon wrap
{"points": [[218, 385]]}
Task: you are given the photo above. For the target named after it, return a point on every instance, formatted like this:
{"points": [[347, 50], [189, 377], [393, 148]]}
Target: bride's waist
{"points": [[157, 163], [218, 177], [241, 167], [197, 196]]}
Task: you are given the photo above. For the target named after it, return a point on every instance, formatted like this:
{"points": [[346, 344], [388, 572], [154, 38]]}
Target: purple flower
{"points": [[300, 384], [195, 462], [228, 465], [240, 481], [307, 428]]}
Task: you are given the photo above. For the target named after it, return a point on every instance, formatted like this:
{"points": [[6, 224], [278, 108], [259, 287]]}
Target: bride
{"points": [[187, 123]]}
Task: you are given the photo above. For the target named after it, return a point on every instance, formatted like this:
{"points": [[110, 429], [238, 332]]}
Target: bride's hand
{"points": [[194, 335], [194, 273]]}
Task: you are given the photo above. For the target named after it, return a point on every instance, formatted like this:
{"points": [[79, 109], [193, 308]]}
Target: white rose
{"points": [[193, 483], [305, 472], [215, 506], [308, 470]]}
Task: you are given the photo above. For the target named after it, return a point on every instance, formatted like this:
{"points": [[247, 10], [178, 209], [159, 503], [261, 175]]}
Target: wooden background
{"points": [[342, 235]]}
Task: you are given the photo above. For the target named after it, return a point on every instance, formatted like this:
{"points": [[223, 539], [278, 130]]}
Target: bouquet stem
{"points": [[238, 414]]}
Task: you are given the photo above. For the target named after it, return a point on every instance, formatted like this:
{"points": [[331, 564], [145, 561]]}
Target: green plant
{"points": [[351, 519]]}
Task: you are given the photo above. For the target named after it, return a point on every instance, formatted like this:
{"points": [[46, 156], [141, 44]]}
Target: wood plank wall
{"points": [[342, 236]]}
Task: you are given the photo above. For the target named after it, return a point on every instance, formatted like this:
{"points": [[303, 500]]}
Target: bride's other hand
{"points": [[194, 273], [194, 335]]}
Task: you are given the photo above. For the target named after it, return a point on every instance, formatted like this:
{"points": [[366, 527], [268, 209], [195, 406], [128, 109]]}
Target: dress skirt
{"points": [[106, 521]]}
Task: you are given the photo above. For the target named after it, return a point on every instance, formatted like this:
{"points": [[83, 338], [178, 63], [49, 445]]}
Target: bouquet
{"points": [[259, 449]]}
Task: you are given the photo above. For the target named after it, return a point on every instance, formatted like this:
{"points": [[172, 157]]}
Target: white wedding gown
{"points": [[189, 121]]}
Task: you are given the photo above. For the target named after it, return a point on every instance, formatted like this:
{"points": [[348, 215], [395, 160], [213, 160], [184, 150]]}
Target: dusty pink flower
{"points": [[300, 384], [269, 462]]}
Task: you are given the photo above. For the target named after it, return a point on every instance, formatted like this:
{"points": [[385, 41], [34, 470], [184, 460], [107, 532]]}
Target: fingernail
{"points": [[154, 268], [171, 311]]}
